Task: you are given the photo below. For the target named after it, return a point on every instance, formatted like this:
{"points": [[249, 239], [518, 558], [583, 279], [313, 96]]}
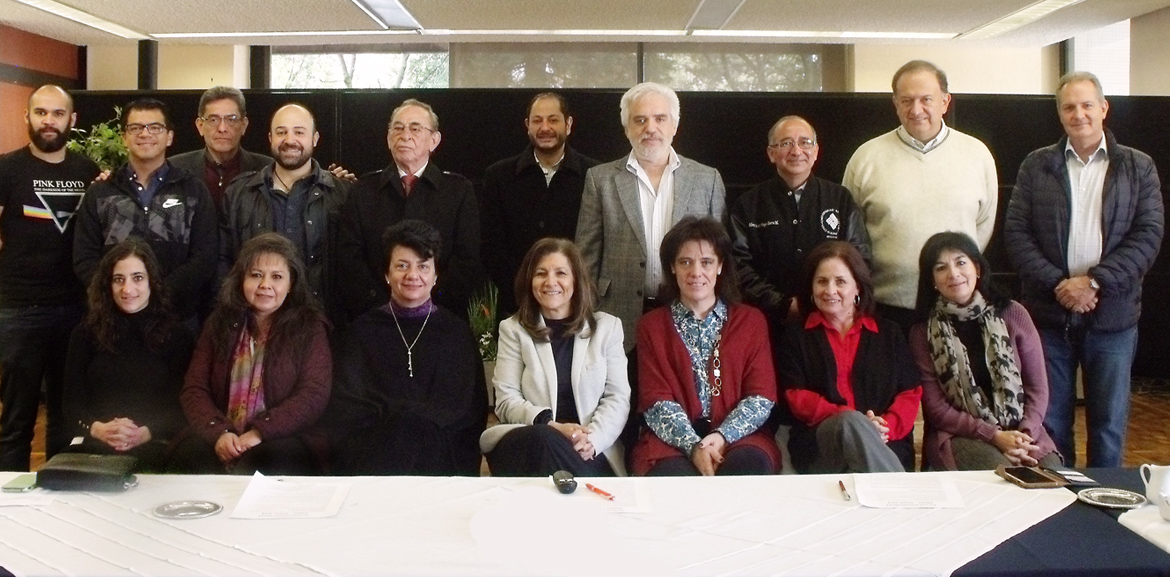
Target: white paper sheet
{"points": [[273, 498], [34, 498], [907, 491]]}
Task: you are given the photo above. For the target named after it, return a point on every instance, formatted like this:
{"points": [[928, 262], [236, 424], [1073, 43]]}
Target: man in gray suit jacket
{"points": [[629, 204]]}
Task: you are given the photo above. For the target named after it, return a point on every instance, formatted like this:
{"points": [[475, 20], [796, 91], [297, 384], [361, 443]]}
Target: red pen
{"points": [[598, 491]]}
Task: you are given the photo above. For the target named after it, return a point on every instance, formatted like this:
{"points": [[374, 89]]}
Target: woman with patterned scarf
{"points": [[261, 373], [984, 385]]}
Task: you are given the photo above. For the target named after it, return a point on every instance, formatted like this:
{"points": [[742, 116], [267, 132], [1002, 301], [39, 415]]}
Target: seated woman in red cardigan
{"points": [[706, 380]]}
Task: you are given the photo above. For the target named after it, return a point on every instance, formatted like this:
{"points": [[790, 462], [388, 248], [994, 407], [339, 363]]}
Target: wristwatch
{"points": [[1094, 284]]}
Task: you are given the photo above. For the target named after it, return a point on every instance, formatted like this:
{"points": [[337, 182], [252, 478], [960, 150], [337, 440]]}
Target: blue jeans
{"points": [[33, 344], [1105, 360]]}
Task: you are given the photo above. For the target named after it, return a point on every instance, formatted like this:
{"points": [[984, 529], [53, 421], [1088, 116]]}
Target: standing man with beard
{"points": [[152, 199], [629, 204], [41, 187], [295, 197], [533, 195]]}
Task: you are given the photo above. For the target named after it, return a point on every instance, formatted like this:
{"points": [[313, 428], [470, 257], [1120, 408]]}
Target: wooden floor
{"points": [[1148, 440]]}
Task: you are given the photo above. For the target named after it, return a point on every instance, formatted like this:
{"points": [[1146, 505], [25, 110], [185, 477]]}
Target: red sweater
{"points": [[665, 374]]}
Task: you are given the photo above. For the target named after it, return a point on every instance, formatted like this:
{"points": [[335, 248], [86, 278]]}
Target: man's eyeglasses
{"points": [[415, 129], [152, 128], [232, 120], [787, 143]]}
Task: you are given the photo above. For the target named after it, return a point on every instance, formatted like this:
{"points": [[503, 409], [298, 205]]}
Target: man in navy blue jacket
{"points": [[1083, 227]]}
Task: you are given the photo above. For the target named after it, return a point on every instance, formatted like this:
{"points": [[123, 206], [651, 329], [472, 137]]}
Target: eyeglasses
{"points": [[415, 129], [232, 120], [804, 143], [153, 128]]}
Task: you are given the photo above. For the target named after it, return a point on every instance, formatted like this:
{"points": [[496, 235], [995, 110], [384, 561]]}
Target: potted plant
{"points": [[103, 143], [481, 313]]}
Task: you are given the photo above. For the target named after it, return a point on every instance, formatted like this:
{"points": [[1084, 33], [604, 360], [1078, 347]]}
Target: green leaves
{"points": [[103, 144], [481, 312]]}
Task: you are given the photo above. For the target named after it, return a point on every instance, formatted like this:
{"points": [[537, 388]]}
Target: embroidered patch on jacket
{"points": [[171, 202], [831, 223]]}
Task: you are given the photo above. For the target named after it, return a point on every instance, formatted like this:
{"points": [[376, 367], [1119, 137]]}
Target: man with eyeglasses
{"points": [[411, 187], [40, 299], [774, 225], [533, 195], [295, 197], [920, 179], [222, 121], [150, 198]]}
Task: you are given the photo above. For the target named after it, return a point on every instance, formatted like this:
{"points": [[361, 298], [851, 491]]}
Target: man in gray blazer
{"points": [[629, 204]]}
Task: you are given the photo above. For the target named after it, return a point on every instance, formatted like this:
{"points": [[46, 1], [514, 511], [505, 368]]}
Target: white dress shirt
{"points": [[657, 206], [1087, 183]]}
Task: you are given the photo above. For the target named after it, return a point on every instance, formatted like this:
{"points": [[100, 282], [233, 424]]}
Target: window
{"points": [[407, 66], [1105, 52], [682, 66], [736, 67]]}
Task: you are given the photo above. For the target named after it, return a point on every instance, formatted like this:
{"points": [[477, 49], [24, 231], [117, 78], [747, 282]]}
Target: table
{"points": [[796, 525]]}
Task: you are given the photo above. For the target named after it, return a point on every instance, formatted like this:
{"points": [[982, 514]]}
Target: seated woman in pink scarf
{"points": [[261, 373]]}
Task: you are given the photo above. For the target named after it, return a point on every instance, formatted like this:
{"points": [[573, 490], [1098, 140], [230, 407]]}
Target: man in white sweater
{"points": [[919, 179]]}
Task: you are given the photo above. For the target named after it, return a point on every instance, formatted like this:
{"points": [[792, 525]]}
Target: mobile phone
{"points": [[21, 483], [1029, 477]]}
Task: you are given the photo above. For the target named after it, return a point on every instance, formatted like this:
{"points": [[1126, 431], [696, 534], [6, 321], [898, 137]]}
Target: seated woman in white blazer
{"points": [[562, 392]]}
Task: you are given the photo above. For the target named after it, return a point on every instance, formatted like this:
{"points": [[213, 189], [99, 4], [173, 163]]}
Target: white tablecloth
{"points": [[778, 525]]}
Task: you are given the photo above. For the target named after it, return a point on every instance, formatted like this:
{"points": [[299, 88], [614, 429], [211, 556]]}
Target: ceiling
{"points": [[284, 22]]}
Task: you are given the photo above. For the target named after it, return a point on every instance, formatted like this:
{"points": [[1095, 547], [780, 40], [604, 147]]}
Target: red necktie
{"points": [[408, 181]]}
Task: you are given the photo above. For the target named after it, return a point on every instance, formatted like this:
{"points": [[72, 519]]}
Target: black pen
{"points": [[844, 491]]}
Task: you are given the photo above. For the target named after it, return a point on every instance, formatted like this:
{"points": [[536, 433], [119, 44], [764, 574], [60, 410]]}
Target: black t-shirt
{"points": [[39, 199]]}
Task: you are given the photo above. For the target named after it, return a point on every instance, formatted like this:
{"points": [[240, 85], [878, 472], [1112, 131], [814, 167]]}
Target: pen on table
{"points": [[844, 491], [598, 491]]}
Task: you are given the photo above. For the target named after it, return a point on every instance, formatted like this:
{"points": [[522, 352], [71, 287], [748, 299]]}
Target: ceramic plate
{"points": [[1112, 498], [187, 510]]}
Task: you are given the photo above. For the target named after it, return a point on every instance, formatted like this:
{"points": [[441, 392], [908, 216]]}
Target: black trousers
{"points": [[284, 456], [741, 460], [539, 451]]}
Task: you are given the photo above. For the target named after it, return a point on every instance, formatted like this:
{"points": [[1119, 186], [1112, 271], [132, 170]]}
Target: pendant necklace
{"points": [[409, 347]]}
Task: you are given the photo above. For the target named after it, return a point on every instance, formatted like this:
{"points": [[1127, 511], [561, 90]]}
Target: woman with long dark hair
{"points": [[126, 361], [262, 370], [562, 391], [984, 383]]}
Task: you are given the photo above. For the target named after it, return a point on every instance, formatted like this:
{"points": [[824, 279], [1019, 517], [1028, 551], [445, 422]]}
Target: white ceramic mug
{"points": [[1157, 480], [1164, 506]]}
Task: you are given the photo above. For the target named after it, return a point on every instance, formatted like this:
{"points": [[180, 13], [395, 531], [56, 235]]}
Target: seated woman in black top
{"points": [[409, 398], [126, 361], [562, 390]]}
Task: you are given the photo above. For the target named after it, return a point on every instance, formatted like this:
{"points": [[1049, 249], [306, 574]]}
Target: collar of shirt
{"points": [[268, 173], [684, 317], [672, 164], [924, 146], [156, 178], [232, 164], [556, 165], [402, 173], [815, 319], [1101, 152]]}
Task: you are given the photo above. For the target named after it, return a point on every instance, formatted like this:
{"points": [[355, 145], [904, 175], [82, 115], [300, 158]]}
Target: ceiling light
{"points": [[1021, 17], [388, 14], [824, 34], [713, 14], [85, 18], [166, 35]]}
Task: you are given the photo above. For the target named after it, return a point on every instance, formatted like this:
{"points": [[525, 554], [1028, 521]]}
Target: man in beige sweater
{"points": [[921, 178]]}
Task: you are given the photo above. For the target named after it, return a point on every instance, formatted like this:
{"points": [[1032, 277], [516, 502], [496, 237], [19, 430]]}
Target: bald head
{"points": [[793, 149], [53, 91], [293, 136], [49, 117]]}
